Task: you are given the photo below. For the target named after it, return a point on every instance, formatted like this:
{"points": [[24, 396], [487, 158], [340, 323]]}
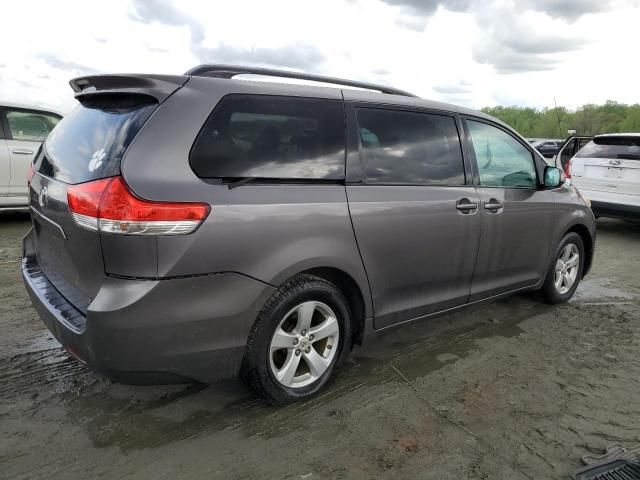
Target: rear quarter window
{"points": [[89, 143], [272, 137]]}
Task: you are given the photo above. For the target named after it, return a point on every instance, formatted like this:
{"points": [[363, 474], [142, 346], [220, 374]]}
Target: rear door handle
{"points": [[22, 151], [492, 205], [466, 206]]}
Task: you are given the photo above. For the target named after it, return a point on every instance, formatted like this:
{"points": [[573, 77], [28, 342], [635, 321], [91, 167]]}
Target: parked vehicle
{"points": [[607, 172], [568, 150], [548, 148], [201, 226], [22, 130]]}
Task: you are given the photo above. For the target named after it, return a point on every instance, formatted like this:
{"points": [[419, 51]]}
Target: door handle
{"points": [[22, 151], [465, 205], [492, 205]]}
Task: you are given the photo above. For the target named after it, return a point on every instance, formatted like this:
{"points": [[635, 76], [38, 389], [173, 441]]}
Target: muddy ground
{"points": [[508, 390]]}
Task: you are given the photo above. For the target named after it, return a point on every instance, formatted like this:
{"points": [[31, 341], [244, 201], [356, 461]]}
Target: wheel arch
{"points": [[351, 290], [588, 242]]}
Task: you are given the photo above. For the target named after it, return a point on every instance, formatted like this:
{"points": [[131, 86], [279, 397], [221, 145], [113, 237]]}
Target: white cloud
{"points": [[476, 53]]}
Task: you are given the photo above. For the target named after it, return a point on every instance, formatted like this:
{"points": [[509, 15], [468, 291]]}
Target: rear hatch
{"points": [[86, 146], [609, 164]]}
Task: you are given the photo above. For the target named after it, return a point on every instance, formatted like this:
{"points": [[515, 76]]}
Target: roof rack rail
{"points": [[230, 71]]}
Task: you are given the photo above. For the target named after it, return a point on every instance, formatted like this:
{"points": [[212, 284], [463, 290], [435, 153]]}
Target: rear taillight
{"points": [[567, 169], [30, 173], [109, 206]]}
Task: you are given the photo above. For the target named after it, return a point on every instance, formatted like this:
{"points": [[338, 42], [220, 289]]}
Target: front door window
{"points": [[502, 160]]}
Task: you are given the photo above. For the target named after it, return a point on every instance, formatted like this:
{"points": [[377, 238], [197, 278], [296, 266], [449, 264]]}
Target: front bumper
{"points": [[155, 331]]}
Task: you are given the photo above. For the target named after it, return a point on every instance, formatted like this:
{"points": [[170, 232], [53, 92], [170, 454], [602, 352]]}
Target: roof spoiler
{"points": [[230, 71], [156, 86]]}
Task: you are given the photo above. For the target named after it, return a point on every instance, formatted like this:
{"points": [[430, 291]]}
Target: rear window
{"points": [[625, 148], [272, 137], [88, 144]]}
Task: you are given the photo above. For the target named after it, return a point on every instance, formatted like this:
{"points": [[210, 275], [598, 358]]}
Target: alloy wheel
{"points": [[566, 269], [304, 344]]}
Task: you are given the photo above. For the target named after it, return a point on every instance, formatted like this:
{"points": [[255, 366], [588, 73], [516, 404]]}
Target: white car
{"points": [[22, 130], [607, 172]]}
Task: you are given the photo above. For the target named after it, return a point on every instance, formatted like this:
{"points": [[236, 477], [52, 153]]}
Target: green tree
{"points": [[590, 119]]}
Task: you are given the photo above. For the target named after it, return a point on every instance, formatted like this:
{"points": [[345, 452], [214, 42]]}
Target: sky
{"points": [[474, 53]]}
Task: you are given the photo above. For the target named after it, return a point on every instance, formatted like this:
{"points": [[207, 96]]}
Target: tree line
{"points": [[590, 119]]}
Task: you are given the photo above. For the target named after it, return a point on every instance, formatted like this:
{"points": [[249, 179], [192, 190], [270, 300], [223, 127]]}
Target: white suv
{"points": [[22, 130], [607, 172]]}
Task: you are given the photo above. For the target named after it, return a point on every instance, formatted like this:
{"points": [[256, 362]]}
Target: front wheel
{"points": [[565, 271], [299, 339]]}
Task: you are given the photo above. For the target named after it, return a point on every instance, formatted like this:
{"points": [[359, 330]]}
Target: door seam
{"points": [[475, 266], [364, 267]]}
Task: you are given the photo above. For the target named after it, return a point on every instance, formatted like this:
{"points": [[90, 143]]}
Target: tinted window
{"points": [[30, 126], [272, 137], [625, 148], [410, 148], [582, 143], [502, 160], [89, 143]]}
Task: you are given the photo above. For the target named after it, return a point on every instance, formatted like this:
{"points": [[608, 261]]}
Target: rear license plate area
{"points": [[616, 173]]}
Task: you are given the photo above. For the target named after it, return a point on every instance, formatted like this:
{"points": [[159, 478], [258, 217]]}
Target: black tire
{"points": [[256, 369], [549, 291]]}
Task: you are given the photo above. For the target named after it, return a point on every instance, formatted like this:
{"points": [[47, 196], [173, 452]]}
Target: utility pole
{"points": [[558, 117]]}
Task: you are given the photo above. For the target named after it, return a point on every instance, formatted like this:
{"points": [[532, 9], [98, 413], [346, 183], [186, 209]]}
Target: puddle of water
{"points": [[139, 417], [429, 357]]}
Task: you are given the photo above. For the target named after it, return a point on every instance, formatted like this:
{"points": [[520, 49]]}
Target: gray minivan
{"points": [[203, 226]]}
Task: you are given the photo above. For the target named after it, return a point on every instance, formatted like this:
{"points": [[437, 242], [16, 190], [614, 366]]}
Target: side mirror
{"points": [[553, 177]]}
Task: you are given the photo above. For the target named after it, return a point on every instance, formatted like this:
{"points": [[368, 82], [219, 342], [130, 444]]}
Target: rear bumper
{"points": [[615, 210], [155, 331], [615, 205]]}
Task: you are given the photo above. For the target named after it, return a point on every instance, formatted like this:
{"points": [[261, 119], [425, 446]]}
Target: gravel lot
{"points": [[508, 390]]}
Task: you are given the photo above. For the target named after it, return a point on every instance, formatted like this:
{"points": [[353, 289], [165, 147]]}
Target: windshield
{"points": [[625, 148]]}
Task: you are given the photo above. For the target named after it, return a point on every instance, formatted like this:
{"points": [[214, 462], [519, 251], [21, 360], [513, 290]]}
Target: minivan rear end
{"points": [[91, 260], [607, 172]]}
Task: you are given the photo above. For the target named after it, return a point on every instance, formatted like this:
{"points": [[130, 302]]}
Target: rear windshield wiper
{"points": [[241, 181]]}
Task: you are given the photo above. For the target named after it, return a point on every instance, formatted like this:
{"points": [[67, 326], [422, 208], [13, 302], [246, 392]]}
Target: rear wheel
{"points": [[298, 341], [565, 271]]}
